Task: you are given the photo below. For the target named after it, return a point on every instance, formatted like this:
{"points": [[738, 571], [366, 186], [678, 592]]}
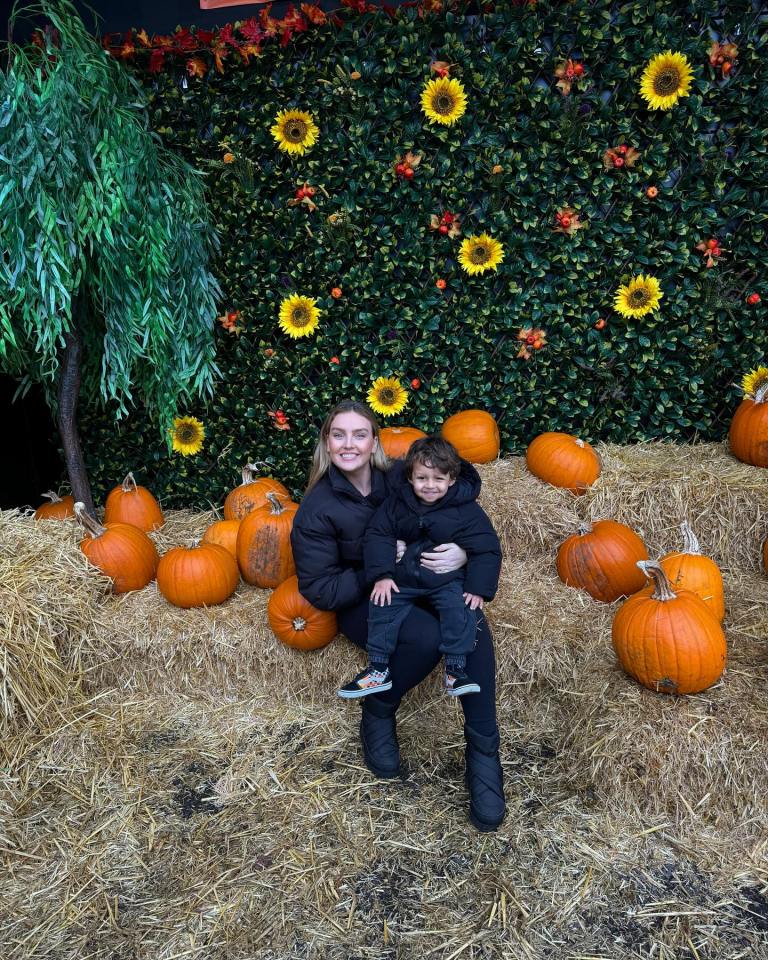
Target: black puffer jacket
{"points": [[327, 537], [455, 518]]}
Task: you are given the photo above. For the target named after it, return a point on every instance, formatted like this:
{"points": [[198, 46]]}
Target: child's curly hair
{"points": [[433, 452]]}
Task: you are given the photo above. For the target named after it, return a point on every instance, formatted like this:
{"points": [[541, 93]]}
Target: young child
{"points": [[435, 503]]}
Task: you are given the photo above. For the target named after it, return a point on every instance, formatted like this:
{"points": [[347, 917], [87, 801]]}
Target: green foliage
{"points": [[670, 375], [102, 226]]}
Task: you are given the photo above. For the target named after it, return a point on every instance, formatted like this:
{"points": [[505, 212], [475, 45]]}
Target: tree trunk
{"points": [[68, 393]]}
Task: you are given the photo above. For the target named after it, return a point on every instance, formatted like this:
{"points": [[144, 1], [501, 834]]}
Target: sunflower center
{"points": [[386, 396], [186, 433], [295, 131], [666, 82], [639, 297], [300, 316], [480, 254], [444, 103]]}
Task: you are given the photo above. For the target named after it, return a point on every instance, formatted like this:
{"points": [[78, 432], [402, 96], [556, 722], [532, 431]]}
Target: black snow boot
{"points": [[485, 779], [378, 738]]}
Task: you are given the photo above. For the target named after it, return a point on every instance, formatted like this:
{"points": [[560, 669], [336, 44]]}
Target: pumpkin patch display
{"points": [[748, 433], [251, 493], [295, 622], [264, 543], [691, 570], [120, 550], [59, 508], [130, 503], [602, 559], [200, 576], [475, 434], [223, 532], [396, 441], [563, 460], [668, 640]]}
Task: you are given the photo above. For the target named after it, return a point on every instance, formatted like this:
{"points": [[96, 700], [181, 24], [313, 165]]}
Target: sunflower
{"points": [[640, 296], [666, 78], [295, 131], [187, 436], [298, 316], [751, 382], [387, 396], [481, 253], [443, 101]]}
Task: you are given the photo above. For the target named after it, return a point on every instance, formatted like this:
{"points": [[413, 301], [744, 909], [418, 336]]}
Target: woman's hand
{"points": [[400, 551], [473, 601], [445, 558], [381, 594]]}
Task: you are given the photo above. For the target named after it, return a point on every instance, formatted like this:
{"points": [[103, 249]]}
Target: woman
{"points": [[350, 477]]}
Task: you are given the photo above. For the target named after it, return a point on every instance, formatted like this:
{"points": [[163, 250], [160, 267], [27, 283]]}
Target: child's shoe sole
{"points": [[365, 691], [464, 689]]}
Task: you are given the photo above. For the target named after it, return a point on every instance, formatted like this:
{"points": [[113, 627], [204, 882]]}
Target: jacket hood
{"points": [[465, 490]]}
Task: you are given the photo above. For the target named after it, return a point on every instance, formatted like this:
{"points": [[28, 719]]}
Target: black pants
{"points": [[418, 653]]}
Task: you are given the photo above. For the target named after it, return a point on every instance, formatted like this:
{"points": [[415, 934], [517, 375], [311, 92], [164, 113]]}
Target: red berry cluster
{"points": [[404, 170], [305, 191], [563, 220], [618, 161], [753, 298], [445, 222]]}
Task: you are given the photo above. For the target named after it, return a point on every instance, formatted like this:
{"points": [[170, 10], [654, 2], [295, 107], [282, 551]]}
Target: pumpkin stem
{"points": [[579, 443], [662, 587], [584, 527], [250, 471], [129, 484], [91, 525], [277, 507], [52, 496], [299, 623], [761, 394], [690, 540]]}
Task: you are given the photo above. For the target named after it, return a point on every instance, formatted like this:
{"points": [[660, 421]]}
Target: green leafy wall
{"points": [[673, 374]]}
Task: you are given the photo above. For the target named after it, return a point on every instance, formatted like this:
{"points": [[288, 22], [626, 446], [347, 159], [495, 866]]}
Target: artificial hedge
{"points": [[523, 151]]}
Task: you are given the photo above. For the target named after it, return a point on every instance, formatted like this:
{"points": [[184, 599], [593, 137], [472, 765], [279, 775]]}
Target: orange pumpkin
{"points": [[129, 503], [475, 434], [264, 543], [295, 622], [669, 641], [396, 441], [563, 460], [602, 559], [60, 508], [223, 532], [251, 493], [690, 570], [748, 434], [765, 556], [199, 576], [122, 551]]}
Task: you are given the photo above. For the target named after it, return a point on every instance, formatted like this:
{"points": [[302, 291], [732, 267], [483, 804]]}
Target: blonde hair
{"points": [[321, 459]]}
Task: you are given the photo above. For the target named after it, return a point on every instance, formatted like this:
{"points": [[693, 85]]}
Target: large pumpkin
{"points": [[197, 576], [60, 508], [223, 532], [748, 434], [669, 641], [474, 433], [690, 570], [122, 551], [251, 493], [563, 460], [264, 543], [130, 503], [396, 441], [602, 559], [295, 622]]}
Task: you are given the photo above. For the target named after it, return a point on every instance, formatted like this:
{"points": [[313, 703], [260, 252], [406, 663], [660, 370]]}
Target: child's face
{"points": [[429, 484]]}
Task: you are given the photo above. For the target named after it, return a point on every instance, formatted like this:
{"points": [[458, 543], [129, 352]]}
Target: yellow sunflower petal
{"points": [[480, 253], [640, 296], [752, 381], [387, 396], [666, 78], [187, 436], [295, 131], [443, 101], [298, 316]]}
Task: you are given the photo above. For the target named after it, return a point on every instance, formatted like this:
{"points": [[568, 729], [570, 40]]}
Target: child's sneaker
{"points": [[368, 681], [458, 682]]}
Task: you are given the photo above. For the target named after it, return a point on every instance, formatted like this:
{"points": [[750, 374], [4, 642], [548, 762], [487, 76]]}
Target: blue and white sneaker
{"points": [[367, 682], [458, 682]]}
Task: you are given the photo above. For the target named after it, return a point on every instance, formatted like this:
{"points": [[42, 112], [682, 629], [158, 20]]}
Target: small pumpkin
{"points": [[199, 576], [130, 503], [60, 508], [748, 433], [264, 543], [668, 640], [124, 552], [223, 532], [474, 433], [251, 493], [690, 570], [396, 441], [563, 460], [602, 559], [295, 622]]}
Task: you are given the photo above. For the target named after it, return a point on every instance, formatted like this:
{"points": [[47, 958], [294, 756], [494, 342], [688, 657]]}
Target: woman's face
{"points": [[350, 442]]}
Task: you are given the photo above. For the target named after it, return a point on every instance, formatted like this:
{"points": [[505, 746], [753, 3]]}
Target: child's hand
{"points": [[473, 601], [381, 595]]}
